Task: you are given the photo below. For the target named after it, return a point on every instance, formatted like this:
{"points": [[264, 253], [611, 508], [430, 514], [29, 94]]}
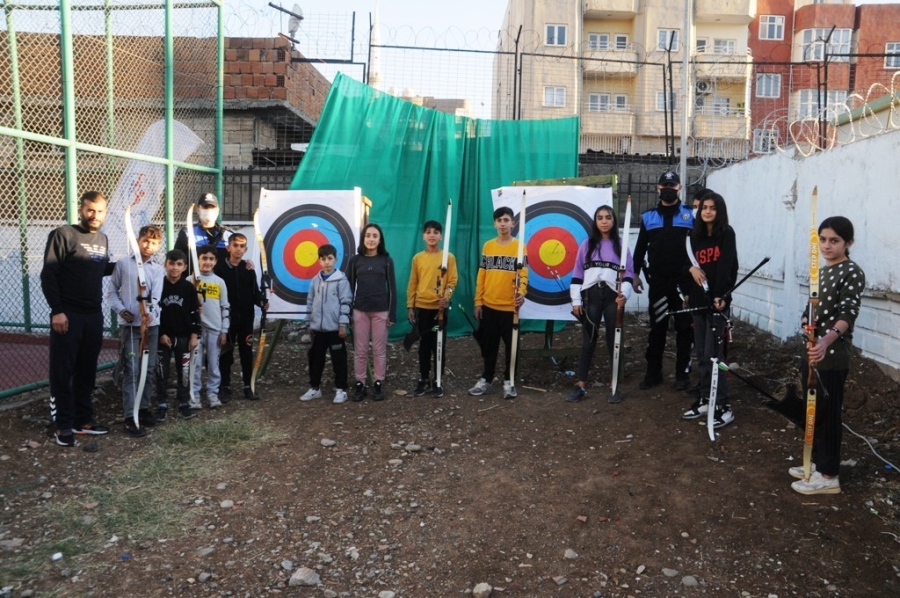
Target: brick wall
{"points": [[261, 69]]}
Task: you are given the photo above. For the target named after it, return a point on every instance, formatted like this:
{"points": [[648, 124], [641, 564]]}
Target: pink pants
{"points": [[374, 323]]}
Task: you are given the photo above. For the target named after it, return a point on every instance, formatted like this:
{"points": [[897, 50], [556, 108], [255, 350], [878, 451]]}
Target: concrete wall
{"points": [[768, 206]]}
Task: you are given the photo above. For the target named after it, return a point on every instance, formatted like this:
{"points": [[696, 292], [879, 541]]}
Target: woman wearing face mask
{"points": [[207, 230]]}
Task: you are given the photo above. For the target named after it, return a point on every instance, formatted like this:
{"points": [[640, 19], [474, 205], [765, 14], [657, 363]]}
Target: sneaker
{"points": [[195, 404], [818, 484], [133, 431], [481, 387], [312, 393], [437, 392], [250, 395], [340, 396], [649, 381], [185, 412], [377, 391], [797, 472], [577, 395], [64, 439], [225, 393], [214, 402], [161, 412], [146, 418], [723, 417], [682, 383], [423, 386], [359, 392], [91, 429], [698, 409], [509, 391], [615, 398]]}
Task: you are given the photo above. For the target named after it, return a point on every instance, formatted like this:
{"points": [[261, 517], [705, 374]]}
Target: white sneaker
{"points": [[214, 402], [797, 472], [339, 397], [194, 404], [481, 387], [723, 416], [698, 409], [818, 484], [509, 391], [312, 393]]}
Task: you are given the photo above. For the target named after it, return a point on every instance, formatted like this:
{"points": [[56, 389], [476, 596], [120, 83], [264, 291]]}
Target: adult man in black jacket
{"points": [[661, 239], [76, 259]]}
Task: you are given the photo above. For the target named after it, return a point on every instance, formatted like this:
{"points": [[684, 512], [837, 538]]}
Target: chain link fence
{"points": [[86, 99]]}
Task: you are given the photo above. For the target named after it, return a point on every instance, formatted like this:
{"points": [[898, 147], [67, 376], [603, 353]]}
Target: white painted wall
{"points": [[768, 206]]}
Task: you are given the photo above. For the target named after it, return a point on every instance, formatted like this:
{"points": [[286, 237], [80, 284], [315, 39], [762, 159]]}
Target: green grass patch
{"points": [[148, 497]]}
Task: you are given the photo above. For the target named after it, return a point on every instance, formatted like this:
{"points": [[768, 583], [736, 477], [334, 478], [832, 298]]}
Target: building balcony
{"points": [[725, 11], [599, 63], [611, 9], [608, 122], [653, 124], [722, 123], [723, 66]]}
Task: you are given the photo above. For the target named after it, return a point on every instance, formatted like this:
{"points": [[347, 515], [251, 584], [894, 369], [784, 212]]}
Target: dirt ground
{"points": [[425, 497]]}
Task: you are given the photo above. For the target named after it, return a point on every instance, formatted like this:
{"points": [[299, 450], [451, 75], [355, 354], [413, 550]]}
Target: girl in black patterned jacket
{"points": [[841, 283]]}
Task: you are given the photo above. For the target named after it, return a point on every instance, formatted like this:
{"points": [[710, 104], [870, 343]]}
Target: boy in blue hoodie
{"points": [[328, 300]]}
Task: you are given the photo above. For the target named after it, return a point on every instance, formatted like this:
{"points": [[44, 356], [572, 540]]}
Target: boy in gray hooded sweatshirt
{"points": [[328, 300]]}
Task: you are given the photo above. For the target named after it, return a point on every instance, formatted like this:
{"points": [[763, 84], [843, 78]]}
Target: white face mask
{"points": [[208, 216]]}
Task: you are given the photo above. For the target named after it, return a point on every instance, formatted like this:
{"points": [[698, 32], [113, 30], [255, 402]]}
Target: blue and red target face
{"points": [[553, 232], [293, 243]]}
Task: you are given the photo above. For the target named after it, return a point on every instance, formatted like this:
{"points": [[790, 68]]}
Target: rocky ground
{"points": [[424, 497]]}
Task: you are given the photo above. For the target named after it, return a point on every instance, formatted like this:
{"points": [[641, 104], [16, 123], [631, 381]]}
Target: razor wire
{"points": [[118, 59]]}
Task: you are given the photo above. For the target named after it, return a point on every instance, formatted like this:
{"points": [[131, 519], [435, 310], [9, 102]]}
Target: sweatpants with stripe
{"points": [[209, 356], [73, 370]]}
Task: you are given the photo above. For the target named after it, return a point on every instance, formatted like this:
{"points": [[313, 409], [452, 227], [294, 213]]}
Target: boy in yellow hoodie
{"points": [[497, 299], [423, 302]]}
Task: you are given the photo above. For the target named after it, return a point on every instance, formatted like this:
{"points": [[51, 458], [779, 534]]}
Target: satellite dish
{"points": [[294, 21]]}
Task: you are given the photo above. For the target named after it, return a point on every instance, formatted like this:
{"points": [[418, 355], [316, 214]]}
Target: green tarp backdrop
{"points": [[410, 160]]}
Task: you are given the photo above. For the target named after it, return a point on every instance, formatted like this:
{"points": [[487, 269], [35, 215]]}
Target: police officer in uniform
{"points": [[661, 240]]}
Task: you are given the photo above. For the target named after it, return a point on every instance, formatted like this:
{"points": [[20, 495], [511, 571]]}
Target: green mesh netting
{"points": [[410, 160]]}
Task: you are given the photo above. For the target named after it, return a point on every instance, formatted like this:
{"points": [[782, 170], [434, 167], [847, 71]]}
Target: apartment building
{"points": [[605, 61], [758, 75]]}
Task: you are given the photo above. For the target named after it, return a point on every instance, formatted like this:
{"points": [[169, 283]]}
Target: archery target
{"points": [[553, 232], [293, 242]]}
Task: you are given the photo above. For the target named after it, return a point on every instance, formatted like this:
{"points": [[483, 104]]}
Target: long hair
{"points": [[597, 236], [719, 224], [361, 250]]}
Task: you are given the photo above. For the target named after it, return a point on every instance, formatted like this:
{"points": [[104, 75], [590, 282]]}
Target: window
{"points": [[555, 97], [702, 43], [556, 35], [771, 27], [598, 41], [768, 85], [721, 106], [661, 101], [663, 36], [808, 107], [723, 46], [621, 41], [814, 44], [765, 141], [598, 102], [621, 103], [892, 62]]}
